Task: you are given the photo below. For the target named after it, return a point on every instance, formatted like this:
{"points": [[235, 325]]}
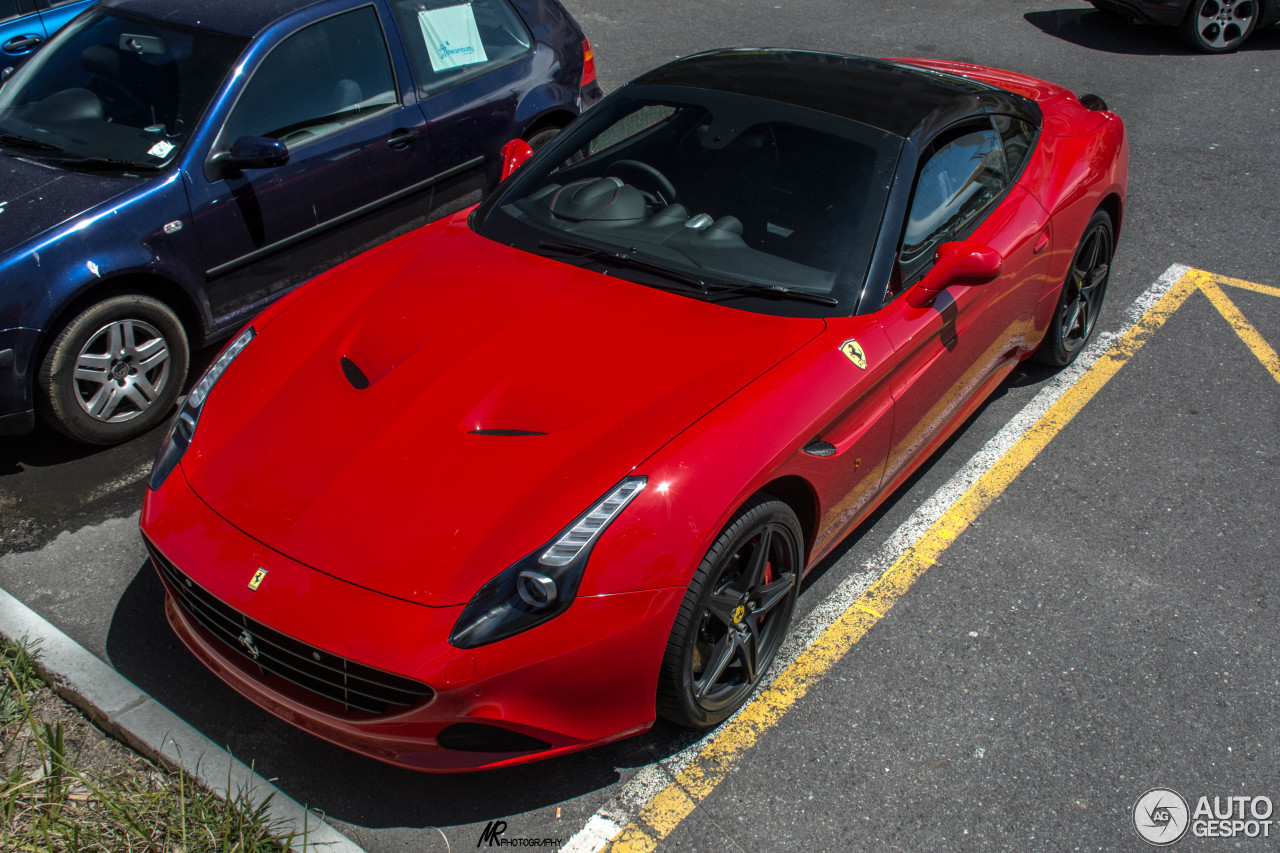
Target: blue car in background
{"points": [[171, 166], [25, 24]]}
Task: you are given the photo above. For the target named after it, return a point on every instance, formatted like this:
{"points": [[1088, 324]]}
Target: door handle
{"points": [[401, 139], [1042, 243], [21, 44]]}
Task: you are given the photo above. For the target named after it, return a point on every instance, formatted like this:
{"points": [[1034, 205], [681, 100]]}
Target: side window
{"points": [[8, 9], [323, 77], [964, 173], [1018, 137], [450, 42]]}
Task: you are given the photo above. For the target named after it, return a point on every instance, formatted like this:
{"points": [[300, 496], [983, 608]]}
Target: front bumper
{"points": [[585, 678], [17, 363]]}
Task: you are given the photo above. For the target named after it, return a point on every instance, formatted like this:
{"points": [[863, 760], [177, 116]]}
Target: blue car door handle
{"points": [[401, 139], [20, 44]]}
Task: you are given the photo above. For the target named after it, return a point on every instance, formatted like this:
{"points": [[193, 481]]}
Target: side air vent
{"points": [[818, 447], [354, 374], [1092, 102], [505, 433]]}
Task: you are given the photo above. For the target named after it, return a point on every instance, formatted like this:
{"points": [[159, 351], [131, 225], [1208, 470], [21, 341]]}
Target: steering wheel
{"points": [[666, 190]]}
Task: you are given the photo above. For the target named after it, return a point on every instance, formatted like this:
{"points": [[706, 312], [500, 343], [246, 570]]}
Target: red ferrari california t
{"points": [[525, 479]]}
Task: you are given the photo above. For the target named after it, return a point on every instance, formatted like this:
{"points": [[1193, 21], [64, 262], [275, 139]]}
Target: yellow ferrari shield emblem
{"points": [[258, 577], [853, 350], [738, 614]]}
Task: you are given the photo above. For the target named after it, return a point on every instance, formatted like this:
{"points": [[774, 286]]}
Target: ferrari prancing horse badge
{"points": [[853, 350], [258, 577]]}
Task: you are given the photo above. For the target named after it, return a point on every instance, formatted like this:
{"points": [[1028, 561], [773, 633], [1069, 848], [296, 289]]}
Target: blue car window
{"points": [[451, 41], [8, 9], [322, 78], [110, 92]]}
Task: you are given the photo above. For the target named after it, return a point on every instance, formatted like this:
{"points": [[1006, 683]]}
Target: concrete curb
{"points": [[119, 708]]}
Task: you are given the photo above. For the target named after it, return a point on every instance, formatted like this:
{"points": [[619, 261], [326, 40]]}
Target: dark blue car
{"points": [[25, 24], [171, 167]]}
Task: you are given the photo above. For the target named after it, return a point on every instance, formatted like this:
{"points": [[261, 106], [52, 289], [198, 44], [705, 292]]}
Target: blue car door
{"points": [[21, 30], [56, 14], [359, 162]]}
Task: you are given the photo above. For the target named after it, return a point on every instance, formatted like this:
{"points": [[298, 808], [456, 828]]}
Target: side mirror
{"points": [[254, 152], [956, 263], [514, 154]]}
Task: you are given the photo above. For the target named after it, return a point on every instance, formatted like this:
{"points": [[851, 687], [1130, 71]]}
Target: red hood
{"points": [[1064, 115], [386, 487]]}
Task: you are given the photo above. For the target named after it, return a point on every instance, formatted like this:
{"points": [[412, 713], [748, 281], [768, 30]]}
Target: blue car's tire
{"points": [[114, 371]]}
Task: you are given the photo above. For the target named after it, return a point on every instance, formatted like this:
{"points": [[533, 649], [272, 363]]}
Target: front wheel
{"points": [[1082, 294], [734, 616], [114, 371], [1219, 26]]}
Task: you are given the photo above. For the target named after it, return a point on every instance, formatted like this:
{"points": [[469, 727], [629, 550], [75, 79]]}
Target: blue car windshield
{"points": [[737, 194], [111, 92]]}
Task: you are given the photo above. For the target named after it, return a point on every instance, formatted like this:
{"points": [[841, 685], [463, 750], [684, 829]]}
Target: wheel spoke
{"points": [[721, 605], [1097, 276], [151, 349], [92, 367], [157, 358], [749, 651], [770, 595], [1071, 314], [146, 391], [721, 654], [754, 575], [115, 339], [105, 401]]}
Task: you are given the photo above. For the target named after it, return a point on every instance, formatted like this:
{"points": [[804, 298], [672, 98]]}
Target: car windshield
{"points": [[742, 198], [113, 92]]}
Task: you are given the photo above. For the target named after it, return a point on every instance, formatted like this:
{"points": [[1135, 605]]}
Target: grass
{"points": [[65, 787]]}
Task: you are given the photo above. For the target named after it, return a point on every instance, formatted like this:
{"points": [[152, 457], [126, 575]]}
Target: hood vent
{"points": [[505, 433], [354, 374]]}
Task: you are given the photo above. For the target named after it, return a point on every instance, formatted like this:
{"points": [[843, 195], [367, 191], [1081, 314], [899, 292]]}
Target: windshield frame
{"points": [[494, 219], [98, 161]]}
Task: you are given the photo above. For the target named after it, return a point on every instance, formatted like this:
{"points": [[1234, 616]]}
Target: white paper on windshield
{"points": [[453, 39], [160, 149]]}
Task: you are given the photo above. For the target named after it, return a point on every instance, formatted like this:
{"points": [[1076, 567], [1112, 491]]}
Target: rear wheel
{"points": [[1082, 294], [114, 371], [734, 616], [539, 138], [1219, 26]]}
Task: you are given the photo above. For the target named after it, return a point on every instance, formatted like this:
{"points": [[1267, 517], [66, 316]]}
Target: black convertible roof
{"points": [[900, 99]]}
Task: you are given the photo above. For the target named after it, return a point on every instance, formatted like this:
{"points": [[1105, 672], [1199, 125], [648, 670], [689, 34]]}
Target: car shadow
{"points": [[338, 783], [1103, 31]]}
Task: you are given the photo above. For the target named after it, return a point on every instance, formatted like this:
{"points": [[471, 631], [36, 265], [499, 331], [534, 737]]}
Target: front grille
{"points": [[355, 687]]}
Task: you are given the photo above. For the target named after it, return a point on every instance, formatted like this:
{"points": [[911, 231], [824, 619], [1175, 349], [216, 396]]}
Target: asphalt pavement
{"points": [[1105, 627]]}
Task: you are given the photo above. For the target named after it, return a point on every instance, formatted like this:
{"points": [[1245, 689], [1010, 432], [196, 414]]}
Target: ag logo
{"points": [[1161, 816], [853, 350], [258, 577]]}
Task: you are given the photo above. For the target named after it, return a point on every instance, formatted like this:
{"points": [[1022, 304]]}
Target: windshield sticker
{"points": [[453, 39], [161, 149]]}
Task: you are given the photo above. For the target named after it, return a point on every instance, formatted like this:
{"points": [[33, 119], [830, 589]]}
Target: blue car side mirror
{"points": [[254, 152]]}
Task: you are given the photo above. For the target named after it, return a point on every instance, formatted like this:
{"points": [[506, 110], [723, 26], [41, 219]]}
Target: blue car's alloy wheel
{"points": [[114, 371]]}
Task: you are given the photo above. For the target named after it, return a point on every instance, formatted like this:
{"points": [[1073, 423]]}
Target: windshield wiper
{"points": [[18, 140], [625, 259], [772, 291], [105, 164]]}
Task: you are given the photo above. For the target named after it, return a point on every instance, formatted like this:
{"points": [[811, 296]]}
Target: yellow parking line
{"points": [[659, 818], [1247, 285], [1243, 327]]}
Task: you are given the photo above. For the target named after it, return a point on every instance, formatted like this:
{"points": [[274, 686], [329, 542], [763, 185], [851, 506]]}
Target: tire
{"points": [[1219, 26], [115, 371], [539, 138], [734, 616], [1080, 301]]}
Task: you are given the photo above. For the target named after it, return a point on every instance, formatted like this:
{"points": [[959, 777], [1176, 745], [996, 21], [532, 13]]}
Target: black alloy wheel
{"points": [[1082, 294], [1219, 26], [734, 617]]}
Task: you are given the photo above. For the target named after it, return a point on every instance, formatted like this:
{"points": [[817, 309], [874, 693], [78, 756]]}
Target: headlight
{"points": [[184, 424], [540, 586]]}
